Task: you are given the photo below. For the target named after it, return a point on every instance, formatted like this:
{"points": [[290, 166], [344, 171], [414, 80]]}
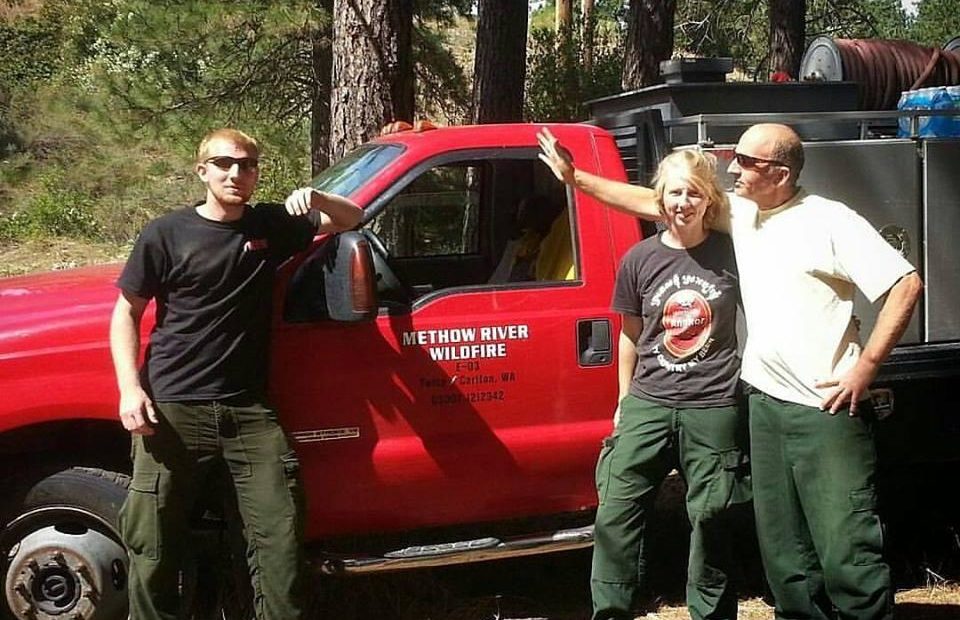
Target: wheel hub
{"points": [[55, 587], [60, 573]]}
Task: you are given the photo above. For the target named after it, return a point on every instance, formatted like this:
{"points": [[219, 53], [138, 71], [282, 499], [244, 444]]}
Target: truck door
{"points": [[482, 390]]}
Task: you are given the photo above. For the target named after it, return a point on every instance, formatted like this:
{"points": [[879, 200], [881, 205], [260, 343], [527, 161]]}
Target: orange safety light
{"points": [[423, 125], [398, 126], [395, 127]]}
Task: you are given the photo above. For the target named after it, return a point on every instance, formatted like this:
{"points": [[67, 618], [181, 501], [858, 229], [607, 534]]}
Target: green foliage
{"points": [[102, 102], [280, 174], [9, 138], [53, 211], [887, 18], [936, 22], [739, 28], [442, 11], [69, 158], [604, 12], [856, 19], [559, 82], [29, 51], [442, 41], [442, 88], [722, 28], [175, 65], [176, 69]]}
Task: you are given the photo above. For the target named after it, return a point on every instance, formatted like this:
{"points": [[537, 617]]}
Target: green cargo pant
{"points": [[816, 508], [650, 441], [171, 471]]}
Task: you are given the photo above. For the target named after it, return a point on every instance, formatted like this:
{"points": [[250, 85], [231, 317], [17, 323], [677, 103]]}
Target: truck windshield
{"points": [[353, 170]]}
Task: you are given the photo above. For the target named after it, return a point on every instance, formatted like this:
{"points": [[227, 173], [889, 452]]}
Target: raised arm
{"points": [[891, 323], [632, 199], [136, 408], [336, 212]]}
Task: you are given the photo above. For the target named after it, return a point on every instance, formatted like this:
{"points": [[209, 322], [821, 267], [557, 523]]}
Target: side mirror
{"points": [[350, 279]]}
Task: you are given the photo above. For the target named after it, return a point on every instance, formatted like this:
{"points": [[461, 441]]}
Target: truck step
{"points": [[421, 551], [458, 552]]}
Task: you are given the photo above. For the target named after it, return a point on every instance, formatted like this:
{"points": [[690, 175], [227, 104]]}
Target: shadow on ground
{"points": [[554, 586], [923, 548], [927, 611]]}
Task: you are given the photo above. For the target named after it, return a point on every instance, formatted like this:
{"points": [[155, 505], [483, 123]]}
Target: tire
{"points": [[60, 551], [74, 513]]}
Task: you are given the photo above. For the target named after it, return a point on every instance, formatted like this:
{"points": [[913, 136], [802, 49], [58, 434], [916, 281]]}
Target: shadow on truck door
{"points": [[465, 400]]}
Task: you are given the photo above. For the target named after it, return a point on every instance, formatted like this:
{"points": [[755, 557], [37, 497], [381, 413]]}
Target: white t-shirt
{"points": [[799, 264]]}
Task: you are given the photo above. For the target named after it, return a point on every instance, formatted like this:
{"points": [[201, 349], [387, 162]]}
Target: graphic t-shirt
{"points": [[213, 285], [687, 298]]}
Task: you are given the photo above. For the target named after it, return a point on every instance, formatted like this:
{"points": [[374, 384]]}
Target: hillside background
{"points": [[102, 102]]}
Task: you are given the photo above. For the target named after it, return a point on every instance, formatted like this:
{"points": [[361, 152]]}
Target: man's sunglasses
{"points": [[752, 163], [225, 162]]}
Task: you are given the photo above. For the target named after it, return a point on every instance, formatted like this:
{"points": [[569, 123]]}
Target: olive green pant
{"points": [[705, 445], [816, 509], [172, 473]]}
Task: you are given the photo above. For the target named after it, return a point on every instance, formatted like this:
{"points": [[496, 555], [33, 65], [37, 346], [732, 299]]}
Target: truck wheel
{"points": [[60, 553]]}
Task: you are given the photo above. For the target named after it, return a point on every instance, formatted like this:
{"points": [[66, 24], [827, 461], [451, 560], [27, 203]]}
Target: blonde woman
{"points": [[678, 296]]}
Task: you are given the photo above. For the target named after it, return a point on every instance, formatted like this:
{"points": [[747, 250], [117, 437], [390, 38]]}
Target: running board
{"points": [[461, 552]]}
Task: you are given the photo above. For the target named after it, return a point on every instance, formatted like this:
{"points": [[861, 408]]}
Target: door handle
{"points": [[593, 342]]}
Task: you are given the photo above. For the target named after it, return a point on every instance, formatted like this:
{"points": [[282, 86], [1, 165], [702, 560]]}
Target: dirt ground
{"points": [[554, 587]]}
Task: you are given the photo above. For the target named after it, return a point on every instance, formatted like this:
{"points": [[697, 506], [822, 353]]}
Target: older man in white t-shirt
{"points": [[800, 257]]}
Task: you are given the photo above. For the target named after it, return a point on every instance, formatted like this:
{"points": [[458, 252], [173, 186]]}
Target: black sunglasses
{"points": [[752, 163], [225, 162]]}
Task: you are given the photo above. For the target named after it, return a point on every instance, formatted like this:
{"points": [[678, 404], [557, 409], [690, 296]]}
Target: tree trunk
{"points": [[586, 14], [564, 15], [649, 41], [403, 85], [500, 63], [322, 61], [787, 32], [366, 67]]}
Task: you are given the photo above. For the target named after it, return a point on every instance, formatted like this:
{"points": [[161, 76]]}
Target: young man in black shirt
{"points": [[200, 397]]}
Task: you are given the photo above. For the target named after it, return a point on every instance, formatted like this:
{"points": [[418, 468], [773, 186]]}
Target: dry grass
{"points": [[56, 253], [13, 9], [750, 609], [940, 602]]}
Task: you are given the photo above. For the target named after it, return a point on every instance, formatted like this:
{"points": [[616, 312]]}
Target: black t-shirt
{"points": [[213, 284], [688, 298]]}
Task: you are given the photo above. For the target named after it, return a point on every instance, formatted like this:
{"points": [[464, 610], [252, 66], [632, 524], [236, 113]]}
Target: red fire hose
{"points": [[885, 68]]}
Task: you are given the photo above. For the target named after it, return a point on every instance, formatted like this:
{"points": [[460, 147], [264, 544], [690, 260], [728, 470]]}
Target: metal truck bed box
{"points": [[941, 216], [880, 179]]}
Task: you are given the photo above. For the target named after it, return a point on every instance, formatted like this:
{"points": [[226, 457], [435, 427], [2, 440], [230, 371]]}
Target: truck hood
{"points": [[56, 308]]}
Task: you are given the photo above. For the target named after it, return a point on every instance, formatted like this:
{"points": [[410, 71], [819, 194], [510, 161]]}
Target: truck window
{"points": [[488, 222], [437, 214], [355, 168], [496, 220]]}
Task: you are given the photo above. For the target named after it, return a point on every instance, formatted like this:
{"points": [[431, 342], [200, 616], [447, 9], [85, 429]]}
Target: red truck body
{"points": [[469, 406]]}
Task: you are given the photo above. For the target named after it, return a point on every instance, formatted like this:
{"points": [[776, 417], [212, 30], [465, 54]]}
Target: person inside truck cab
{"points": [[198, 402], [808, 377], [678, 363], [540, 246]]}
